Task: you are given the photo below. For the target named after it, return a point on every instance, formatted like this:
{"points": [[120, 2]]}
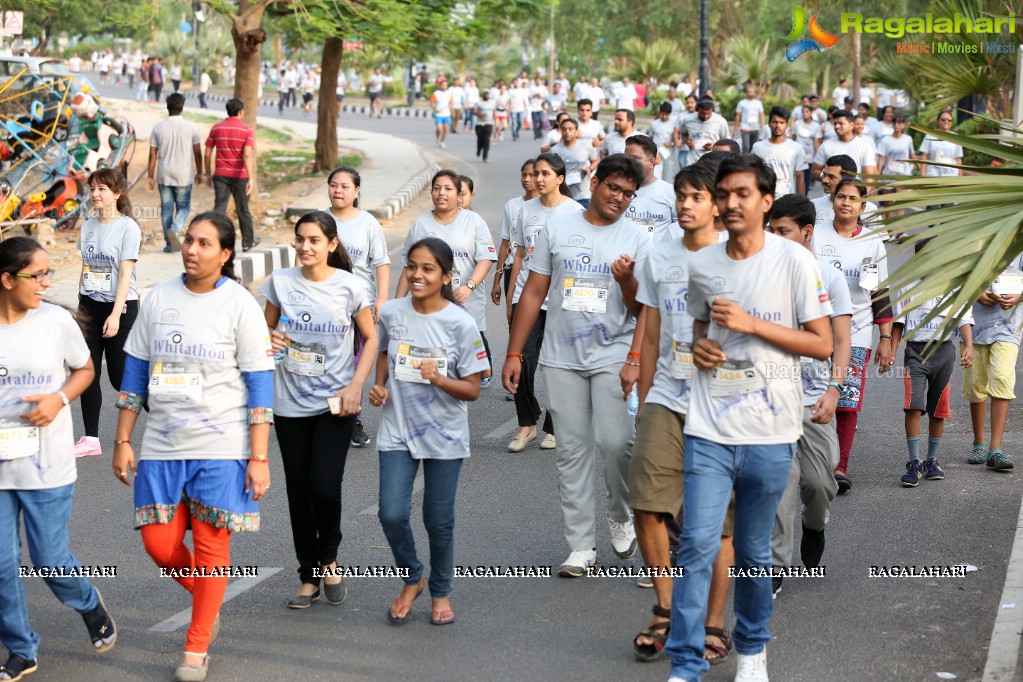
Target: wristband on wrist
{"points": [[64, 398], [121, 442], [633, 353], [886, 336], [514, 355], [259, 458], [632, 364], [835, 385]]}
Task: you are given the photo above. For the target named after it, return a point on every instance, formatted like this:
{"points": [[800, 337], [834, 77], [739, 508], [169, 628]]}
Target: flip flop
{"points": [[435, 617], [395, 620]]}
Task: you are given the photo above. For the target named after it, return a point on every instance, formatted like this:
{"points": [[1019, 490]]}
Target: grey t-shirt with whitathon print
{"points": [[588, 325], [419, 417]]}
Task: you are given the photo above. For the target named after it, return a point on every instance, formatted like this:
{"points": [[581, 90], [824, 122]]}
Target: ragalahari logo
{"points": [[819, 38]]}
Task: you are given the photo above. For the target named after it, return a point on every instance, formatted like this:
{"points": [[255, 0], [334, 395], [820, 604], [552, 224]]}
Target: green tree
{"points": [[656, 59], [762, 64]]}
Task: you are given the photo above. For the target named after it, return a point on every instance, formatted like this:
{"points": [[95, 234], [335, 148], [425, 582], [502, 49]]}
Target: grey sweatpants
{"points": [[592, 422], [812, 474]]}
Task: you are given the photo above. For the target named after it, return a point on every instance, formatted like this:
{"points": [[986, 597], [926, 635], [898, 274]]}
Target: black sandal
{"points": [[657, 632], [720, 650]]}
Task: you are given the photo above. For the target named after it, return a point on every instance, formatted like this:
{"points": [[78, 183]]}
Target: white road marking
{"points": [[233, 590], [1003, 649]]}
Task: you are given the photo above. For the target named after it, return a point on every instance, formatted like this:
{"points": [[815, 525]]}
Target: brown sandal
{"points": [[658, 632], [720, 649]]}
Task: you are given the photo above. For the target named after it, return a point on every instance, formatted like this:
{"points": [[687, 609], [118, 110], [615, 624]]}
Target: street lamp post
{"points": [[196, 20], [704, 75]]}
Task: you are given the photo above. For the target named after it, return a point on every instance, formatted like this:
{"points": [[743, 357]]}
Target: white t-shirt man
{"points": [[589, 131], [653, 212], [817, 373], [750, 111], [664, 284], [588, 325], [786, 159], [913, 320], [741, 403], [991, 323], [442, 102], [859, 149], [625, 97], [578, 159], [457, 97], [838, 96]]}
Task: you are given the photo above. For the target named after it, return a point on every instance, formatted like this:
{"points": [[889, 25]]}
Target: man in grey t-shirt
{"points": [[170, 168], [579, 157]]}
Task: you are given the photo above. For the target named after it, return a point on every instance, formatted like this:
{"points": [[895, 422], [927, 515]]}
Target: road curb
{"points": [[398, 112], [397, 202], [256, 264]]}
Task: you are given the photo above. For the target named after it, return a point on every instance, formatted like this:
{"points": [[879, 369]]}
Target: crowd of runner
{"points": [[713, 325]]}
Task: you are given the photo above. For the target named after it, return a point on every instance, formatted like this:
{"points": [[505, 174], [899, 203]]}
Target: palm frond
{"points": [[965, 230]]}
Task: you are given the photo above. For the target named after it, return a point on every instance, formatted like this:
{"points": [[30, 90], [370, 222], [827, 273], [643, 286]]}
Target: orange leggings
{"points": [[163, 542]]}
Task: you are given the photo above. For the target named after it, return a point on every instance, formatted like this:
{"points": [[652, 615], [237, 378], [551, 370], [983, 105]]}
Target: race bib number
{"points": [[1008, 283], [585, 294], [18, 439], [306, 359], [899, 168], [734, 378], [409, 359], [869, 278], [648, 225], [682, 366], [98, 278], [176, 382], [573, 177]]}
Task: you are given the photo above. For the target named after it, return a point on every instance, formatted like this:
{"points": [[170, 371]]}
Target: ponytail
{"points": [[338, 258]]}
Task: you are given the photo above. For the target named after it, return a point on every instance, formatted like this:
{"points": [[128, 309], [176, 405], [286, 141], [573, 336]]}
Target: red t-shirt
{"points": [[229, 138]]}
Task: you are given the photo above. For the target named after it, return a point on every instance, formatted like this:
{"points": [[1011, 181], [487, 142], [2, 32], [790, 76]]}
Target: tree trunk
{"points": [[857, 41], [326, 112], [44, 40], [248, 41]]}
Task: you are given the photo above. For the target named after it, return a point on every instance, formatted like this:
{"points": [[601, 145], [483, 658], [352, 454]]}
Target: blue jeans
{"points": [[537, 117], [46, 514], [175, 202], [440, 477], [516, 123], [758, 474]]}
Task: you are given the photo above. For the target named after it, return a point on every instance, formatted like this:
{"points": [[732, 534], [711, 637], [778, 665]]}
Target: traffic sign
{"points": [[13, 21]]}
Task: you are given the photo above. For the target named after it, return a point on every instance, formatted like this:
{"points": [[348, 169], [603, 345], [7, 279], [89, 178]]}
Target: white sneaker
{"points": [[623, 539], [752, 668], [548, 442], [577, 562], [87, 446]]}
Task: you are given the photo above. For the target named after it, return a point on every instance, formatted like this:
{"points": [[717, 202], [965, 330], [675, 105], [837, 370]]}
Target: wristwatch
{"points": [[64, 398], [470, 285]]}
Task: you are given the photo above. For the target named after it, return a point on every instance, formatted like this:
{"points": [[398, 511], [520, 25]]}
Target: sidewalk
{"points": [[390, 182]]}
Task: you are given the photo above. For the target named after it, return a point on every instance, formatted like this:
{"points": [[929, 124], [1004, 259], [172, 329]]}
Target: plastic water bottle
{"points": [[283, 327], [633, 402]]}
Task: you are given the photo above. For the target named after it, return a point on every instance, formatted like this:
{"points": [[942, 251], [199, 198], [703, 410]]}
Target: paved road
{"points": [[846, 626]]}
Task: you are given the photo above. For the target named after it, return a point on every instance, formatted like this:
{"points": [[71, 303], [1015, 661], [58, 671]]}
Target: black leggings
{"points": [[527, 408], [91, 316], [314, 451]]}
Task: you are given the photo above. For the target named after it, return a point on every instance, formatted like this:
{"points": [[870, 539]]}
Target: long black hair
{"points": [[225, 235], [353, 174], [444, 257], [338, 258], [557, 165], [16, 253]]}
